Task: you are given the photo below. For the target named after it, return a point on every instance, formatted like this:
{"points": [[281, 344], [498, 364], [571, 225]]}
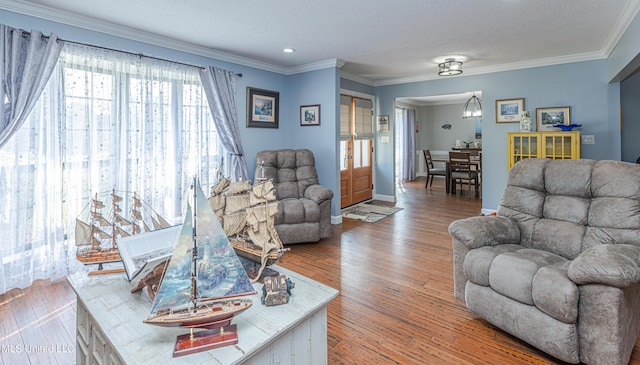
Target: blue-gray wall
{"points": [[583, 86]]}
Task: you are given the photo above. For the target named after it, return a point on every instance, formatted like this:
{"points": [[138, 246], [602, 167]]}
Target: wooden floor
{"points": [[396, 303]]}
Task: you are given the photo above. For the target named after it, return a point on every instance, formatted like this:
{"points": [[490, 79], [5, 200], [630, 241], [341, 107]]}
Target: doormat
{"points": [[369, 212]]}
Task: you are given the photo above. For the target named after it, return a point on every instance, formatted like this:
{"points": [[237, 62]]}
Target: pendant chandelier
{"points": [[450, 67], [472, 108]]}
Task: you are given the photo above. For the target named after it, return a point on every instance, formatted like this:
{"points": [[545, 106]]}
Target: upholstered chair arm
{"points": [[615, 265], [318, 193], [481, 231]]}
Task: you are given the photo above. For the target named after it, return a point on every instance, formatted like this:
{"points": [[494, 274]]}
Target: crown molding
{"points": [[320, 65], [590, 56], [628, 14], [352, 77]]}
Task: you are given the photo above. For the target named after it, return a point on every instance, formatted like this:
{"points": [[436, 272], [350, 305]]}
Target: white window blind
{"points": [[363, 119], [345, 118]]}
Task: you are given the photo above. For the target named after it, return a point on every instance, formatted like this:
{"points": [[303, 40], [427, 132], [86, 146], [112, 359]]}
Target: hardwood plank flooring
{"points": [[396, 303]]}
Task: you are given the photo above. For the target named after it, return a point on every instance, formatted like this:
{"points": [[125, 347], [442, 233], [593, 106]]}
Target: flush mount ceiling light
{"points": [[288, 50], [472, 108], [450, 67]]}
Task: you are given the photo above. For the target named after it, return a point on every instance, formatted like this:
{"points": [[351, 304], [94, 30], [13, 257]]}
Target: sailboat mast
{"points": [[194, 251], [115, 213], [94, 242]]}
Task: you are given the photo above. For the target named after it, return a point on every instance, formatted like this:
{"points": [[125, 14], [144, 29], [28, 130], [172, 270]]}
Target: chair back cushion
{"points": [[567, 206], [292, 171]]}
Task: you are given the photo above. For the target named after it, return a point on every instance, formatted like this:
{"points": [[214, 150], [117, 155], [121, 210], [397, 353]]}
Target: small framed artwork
{"points": [[509, 110], [310, 115], [547, 117], [383, 123], [262, 108]]}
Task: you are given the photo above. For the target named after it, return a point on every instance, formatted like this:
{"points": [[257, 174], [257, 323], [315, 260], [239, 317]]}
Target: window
{"points": [[106, 121]]}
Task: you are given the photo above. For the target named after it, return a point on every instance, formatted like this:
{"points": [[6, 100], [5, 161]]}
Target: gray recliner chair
{"points": [[304, 209], [559, 266]]}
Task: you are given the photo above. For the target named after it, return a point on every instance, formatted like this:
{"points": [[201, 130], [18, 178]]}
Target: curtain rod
{"points": [[26, 34]]}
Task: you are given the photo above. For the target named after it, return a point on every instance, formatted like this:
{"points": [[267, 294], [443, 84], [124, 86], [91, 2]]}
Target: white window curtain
{"points": [[26, 62], [106, 120]]}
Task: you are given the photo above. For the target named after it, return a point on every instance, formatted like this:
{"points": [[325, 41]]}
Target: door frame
{"points": [[373, 141]]}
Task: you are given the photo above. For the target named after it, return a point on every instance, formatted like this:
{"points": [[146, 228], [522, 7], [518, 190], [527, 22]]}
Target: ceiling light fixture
{"points": [[472, 108], [450, 67], [288, 50]]}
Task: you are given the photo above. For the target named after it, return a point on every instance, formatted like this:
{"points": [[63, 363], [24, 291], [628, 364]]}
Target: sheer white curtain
{"points": [[405, 144], [107, 120]]}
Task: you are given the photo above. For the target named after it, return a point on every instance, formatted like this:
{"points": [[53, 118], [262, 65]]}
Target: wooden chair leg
{"points": [[426, 185]]}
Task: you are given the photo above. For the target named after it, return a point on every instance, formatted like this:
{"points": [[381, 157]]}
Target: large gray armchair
{"points": [[559, 266], [304, 209]]}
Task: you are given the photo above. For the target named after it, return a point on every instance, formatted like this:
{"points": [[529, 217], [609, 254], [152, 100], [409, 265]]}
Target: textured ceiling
{"points": [[381, 41]]}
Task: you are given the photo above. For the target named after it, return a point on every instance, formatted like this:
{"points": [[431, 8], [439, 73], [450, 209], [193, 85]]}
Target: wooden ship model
{"points": [[101, 224], [201, 283], [247, 216]]}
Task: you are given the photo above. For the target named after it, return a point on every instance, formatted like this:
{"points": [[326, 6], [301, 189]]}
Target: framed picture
{"points": [[383, 123], [263, 107], [547, 117], [509, 110], [310, 115]]}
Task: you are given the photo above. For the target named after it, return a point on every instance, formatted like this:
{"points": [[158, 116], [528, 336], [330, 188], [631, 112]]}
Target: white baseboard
{"points": [[385, 198], [336, 220]]}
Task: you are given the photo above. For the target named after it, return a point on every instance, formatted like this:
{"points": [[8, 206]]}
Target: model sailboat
{"points": [[101, 224], [247, 215], [202, 283]]}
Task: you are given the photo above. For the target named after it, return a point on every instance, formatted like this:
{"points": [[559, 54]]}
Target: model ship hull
{"points": [[209, 316], [93, 256], [253, 253]]}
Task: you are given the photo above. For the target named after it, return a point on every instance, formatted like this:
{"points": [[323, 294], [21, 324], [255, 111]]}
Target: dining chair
{"points": [[431, 171], [461, 171]]}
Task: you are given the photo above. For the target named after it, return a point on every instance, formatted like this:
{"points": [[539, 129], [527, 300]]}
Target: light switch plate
{"points": [[384, 139], [588, 139]]}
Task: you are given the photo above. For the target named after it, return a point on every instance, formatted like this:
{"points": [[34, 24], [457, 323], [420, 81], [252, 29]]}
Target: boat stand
{"points": [[208, 339], [102, 271]]}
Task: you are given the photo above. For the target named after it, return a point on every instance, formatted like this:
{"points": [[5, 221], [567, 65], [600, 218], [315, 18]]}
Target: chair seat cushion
{"points": [[464, 175], [511, 273], [293, 211], [529, 276], [555, 294]]}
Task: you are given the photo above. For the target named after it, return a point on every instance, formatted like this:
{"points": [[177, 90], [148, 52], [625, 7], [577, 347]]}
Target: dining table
{"points": [[450, 186]]}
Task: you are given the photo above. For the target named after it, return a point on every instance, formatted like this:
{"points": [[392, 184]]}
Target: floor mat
{"points": [[369, 212]]}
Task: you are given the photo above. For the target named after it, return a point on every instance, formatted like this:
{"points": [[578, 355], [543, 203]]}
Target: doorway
{"points": [[439, 127], [356, 150]]}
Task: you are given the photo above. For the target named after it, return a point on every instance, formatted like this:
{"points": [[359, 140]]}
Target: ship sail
{"points": [[219, 272], [247, 215]]}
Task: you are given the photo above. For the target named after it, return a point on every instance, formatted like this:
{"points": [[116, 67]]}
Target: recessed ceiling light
{"points": [[288, 50]]}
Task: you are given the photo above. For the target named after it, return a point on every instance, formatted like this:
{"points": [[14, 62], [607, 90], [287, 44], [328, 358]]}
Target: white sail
{"points": [[83, 233], [163, 222]]}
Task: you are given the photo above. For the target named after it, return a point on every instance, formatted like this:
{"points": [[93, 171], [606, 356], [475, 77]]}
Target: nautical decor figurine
{"points": [[276, 290]]}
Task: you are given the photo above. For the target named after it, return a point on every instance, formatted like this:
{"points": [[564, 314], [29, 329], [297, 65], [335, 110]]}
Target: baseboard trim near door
{"points": [[385, 198]]}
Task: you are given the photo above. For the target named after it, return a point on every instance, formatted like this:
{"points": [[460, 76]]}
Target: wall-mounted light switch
{"points": [[588, 139]]}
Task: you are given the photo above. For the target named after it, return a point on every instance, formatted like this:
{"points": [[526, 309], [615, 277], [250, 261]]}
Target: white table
{"points": [[110, 328]]}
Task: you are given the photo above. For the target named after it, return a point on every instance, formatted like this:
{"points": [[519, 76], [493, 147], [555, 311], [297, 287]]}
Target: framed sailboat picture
{"points": [[263, 107]]}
